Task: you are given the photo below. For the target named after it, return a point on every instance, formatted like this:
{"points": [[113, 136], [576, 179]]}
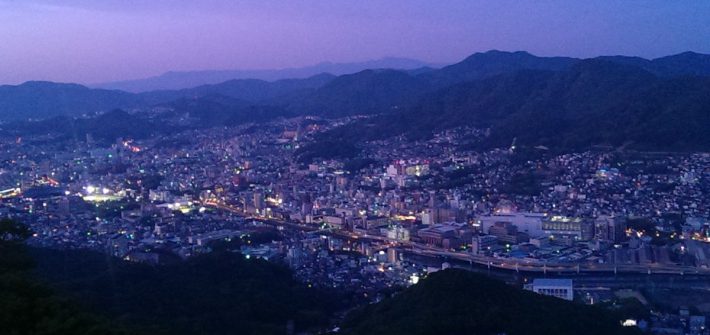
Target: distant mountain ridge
{"points": [[559, 102], [595, 102], [494, 62], [365, 92], [683, 64], [39, 99], [176, 80], [251, 90], [375, 92]]}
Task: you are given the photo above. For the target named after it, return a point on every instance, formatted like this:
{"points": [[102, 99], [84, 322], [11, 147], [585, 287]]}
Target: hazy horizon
{"points": [[94, 84], [88, 42]]}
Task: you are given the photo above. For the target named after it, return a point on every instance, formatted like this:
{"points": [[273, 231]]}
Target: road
{"points": [[516, 265]]}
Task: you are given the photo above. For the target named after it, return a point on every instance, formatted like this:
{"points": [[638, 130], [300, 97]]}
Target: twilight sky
{"points": [[89, 41]]}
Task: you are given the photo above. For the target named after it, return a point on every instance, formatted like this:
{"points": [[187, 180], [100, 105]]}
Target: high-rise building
{"points": [[392, 256], [432, 200], [306, 204], [508, 233], [482, 243], [259, 201], [610, 228]]}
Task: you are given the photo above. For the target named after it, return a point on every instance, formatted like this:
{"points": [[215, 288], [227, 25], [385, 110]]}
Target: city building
{"points": [[566, 230], [529, 223], [559, 288]]}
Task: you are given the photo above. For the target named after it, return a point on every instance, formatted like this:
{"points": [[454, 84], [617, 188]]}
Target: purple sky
{"points": [[89, 41]]}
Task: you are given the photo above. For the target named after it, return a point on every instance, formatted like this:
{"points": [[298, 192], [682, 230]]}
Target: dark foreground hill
{"points": [[460, 302], [45, 291], [217, 293], [83, 292], [28, 306]]}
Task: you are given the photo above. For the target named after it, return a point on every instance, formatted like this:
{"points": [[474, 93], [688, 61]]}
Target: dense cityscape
{"points": [[367, 226], [371, 167]]}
